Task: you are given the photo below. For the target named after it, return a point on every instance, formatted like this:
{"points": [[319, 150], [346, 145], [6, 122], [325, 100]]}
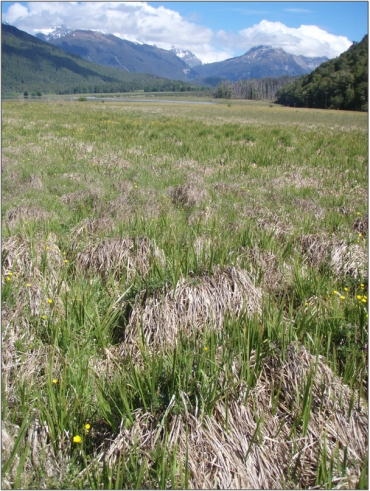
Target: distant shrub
{"points": [[82, 98]]}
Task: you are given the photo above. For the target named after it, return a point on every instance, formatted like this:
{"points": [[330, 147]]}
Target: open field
{"points": [[184, 296]]}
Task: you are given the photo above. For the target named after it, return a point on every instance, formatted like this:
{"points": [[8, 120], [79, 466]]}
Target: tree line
{"points": [[253, 88]]}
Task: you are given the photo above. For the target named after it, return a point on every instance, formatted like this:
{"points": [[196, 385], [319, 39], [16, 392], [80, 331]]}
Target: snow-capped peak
{"points": [[55, 32], [187, 56]]}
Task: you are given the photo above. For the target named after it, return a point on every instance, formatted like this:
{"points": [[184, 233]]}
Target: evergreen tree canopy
{"points": [[341, 83]]}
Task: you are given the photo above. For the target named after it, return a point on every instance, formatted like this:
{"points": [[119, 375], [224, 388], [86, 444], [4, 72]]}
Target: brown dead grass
{"points": [[361, 225], [25, 214], [35, 182], [295, 179], [251, 446], [187, 195], [349, 260], [117, 256], [276, 276], [36, 277], [342, 258], [135, 202], [87, 196], [308, 206], [111, 161], [88, 229], [23, 258], [189, 307]]}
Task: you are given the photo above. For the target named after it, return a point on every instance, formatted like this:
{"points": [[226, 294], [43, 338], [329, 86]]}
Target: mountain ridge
{"points": [[110, 50], [30, 64]]}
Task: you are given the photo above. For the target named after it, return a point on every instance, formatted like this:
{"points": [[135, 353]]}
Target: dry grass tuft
{"points": [[41, 454], [25, 214], [135, 202], [85, 196], [343, 259], [361, 225], [316, 249], [295, 179], [276, 276], [88, 229], [349, 260], [308, 206], [191, 306], [35, 182], [251, 445], [187, 195], [35, 277], [117, 256], [26, 259], [112, 161]]}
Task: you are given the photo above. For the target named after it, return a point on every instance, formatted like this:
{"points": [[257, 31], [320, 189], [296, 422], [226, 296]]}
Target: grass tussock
{"points": [[343, 259], [267, 440], [187, 195], [189, 307], [119, 257], [26, 214]]}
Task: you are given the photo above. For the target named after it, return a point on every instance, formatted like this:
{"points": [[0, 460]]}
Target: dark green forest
{"points": [[32, 66], [341, 83]]}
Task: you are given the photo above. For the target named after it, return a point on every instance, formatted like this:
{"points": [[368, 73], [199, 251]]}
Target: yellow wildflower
{"points": [[77, 439], [50, 300]]}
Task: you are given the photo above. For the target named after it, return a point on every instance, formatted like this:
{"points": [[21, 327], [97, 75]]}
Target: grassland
{"points": [[184, 296]]}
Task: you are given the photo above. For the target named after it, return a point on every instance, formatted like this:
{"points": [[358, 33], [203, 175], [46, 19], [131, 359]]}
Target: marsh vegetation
{"points": [[184, 296]]}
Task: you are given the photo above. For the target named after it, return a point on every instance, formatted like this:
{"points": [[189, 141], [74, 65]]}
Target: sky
{"points": [[213, 31]]}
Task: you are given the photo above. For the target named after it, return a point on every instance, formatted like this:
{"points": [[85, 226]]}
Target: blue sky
{"points": [[212, 30]]}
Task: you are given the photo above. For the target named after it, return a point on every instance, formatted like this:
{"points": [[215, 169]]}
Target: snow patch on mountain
{"points": [[187, 56]]}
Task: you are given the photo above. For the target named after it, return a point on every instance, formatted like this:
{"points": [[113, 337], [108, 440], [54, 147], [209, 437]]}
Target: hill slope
{"points": [[29, 64], [341, 83], [109, 50]]}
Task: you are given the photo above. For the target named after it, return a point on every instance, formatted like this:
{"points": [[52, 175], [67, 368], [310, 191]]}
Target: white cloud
{"points": [[304, 40], [134, 21], [143, 23]]}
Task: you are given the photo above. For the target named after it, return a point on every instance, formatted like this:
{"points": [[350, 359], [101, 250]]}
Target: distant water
{"points": [[129, 99]]}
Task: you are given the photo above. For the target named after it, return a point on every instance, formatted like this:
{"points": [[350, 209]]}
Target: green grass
{"points": [[278, 193]]}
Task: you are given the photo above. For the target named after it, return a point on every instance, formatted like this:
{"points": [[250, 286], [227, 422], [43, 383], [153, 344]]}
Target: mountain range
{"points": [[179, 64], [112, 51], [31, 65]]}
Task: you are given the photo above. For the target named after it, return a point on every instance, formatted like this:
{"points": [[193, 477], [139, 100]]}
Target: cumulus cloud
{"points": [[143, 23], [134, 21], [304, 40]]}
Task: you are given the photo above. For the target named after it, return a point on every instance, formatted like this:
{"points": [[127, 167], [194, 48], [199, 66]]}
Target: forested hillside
{"points": [[341, 83], [29, 65]]}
